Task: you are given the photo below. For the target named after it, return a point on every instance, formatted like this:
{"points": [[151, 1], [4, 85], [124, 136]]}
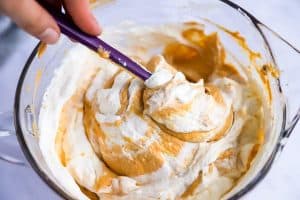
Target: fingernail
{"points": [[49, 36], [97, 27]]}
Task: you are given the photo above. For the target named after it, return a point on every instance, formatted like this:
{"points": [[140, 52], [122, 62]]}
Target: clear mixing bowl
{"points": [[38, 72]]}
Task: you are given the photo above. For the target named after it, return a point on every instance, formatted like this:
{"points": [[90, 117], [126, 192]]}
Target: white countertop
{"points": [[282, 182]]}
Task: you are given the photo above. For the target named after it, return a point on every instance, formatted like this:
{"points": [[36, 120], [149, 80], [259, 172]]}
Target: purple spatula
{"points": [[68, 28]]}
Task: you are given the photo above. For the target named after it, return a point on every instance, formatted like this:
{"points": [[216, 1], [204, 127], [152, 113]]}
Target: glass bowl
{"points": [[38, 72]]}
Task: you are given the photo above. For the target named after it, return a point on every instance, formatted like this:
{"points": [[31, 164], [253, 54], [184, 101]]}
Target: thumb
{"points": [[34, 19]]}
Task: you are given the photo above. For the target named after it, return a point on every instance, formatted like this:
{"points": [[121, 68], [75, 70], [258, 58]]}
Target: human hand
{"points": [[33, 18]]}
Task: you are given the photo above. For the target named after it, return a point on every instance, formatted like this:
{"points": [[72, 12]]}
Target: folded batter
{"points": [[188, 132]]}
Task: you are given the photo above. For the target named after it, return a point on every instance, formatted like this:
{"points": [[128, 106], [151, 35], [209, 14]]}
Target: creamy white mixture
{"points": [[202, 112], [120, 138]]}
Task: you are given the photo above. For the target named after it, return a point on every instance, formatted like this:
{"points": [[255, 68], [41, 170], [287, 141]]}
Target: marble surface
{"points": [[16, 182]]}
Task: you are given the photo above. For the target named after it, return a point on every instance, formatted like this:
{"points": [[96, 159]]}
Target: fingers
{"points": [[30, 16], [82, 16]]}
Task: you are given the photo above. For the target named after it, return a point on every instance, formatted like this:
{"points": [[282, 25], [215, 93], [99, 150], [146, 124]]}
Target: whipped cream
{"points": [[104, 130], [182, 106]]}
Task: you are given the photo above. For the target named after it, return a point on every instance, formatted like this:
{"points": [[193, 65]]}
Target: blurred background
{"points": [[17, 182]]}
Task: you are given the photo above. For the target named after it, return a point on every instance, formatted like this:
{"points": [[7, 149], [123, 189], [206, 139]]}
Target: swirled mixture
{"points": [[188, 132]]}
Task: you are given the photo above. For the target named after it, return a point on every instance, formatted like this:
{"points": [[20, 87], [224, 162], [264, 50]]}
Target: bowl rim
{"points": [[34, 164]]}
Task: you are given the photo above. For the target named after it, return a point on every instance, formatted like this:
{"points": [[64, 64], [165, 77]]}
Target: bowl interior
{"points": [[38, 72]]}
